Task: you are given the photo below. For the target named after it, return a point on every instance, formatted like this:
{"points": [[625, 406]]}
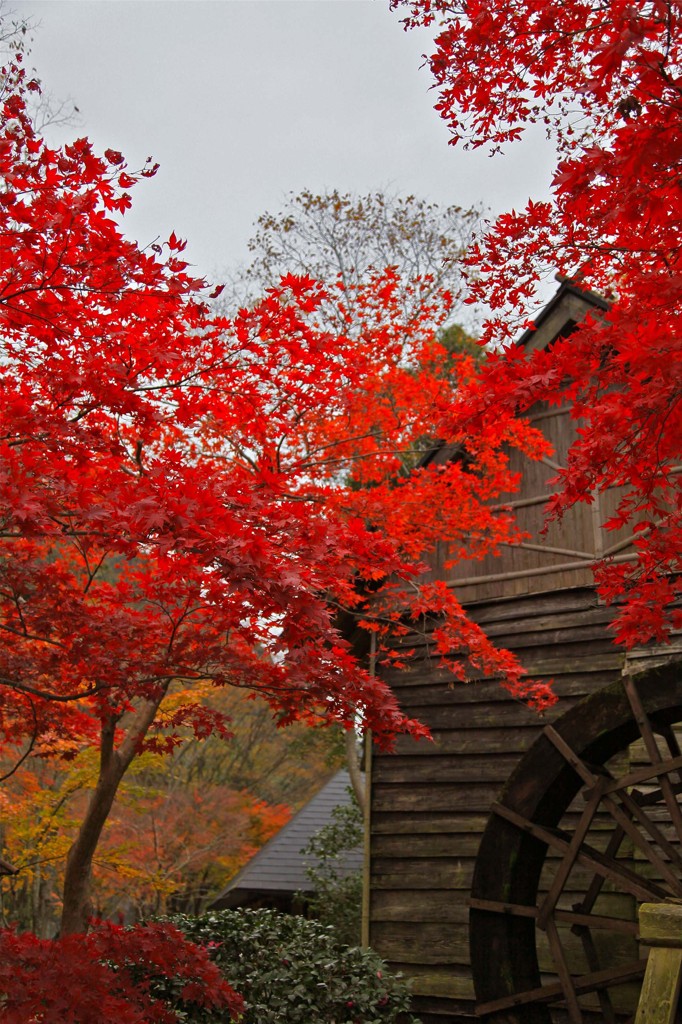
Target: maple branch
{"points": [[14, 684], [31, 636], [31, 745], [335, 444], [91, 572], [360, 456], [65, 698]]}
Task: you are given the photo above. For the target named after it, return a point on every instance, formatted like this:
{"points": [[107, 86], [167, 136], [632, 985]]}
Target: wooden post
{"points": [[366, 815], [660, 926]]}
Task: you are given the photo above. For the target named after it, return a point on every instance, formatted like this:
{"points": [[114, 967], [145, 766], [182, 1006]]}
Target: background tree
{"points": [[344, 239], [605, 78], [16, 37], [173, 514], [278, 766], [342, 236], [169, 845], [182, 825]]}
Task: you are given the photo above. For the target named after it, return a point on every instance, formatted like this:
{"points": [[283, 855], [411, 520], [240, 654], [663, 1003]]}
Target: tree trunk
{"points": [[77, 905], [353, 762]]}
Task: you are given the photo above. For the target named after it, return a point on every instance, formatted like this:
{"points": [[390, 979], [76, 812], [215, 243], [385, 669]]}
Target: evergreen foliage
{"points": [[295, 971]]}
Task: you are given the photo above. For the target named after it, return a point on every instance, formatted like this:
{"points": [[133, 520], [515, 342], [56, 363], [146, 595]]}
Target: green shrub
{"points": [[294, 971], [336, 899]]}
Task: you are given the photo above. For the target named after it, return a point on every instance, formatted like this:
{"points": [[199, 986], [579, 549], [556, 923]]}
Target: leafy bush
{"points": [[336, 899], [294, 971]]}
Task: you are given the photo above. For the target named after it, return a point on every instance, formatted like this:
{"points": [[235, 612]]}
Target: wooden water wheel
{"points": [[588, 827]]}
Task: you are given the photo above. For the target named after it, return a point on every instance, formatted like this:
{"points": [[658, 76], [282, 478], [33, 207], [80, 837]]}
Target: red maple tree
{"points": [[605, 79], [187, 498]]}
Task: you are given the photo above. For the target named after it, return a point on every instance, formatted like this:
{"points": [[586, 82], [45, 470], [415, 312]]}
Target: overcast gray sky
{"points": [[241, 101]]}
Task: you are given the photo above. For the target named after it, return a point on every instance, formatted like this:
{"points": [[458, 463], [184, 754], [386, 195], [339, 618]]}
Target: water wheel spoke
{"points": [[544, 994], [569, 858], [670, 738], [572, 917], [601, 864], [624, 819], [644, 774], [672, 743], [585, 771], [562, 970], [594, 965], [596, 885], [616, 872], [642, 720], [581, 921], [552, 993], [497, 907], [647, 734], [635, 809], [652, 796]]}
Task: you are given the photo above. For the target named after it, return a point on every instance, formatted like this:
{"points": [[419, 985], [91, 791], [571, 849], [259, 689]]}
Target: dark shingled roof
{"points": [[278, 869]]}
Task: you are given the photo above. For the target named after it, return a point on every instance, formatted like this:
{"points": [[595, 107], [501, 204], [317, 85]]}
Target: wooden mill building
{"points": [[506, 860]]}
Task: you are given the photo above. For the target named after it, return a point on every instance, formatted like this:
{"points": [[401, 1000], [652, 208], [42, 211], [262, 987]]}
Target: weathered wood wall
{"points": [[555, 555]]}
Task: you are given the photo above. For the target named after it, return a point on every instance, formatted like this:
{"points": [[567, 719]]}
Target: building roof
{"points": [[279, 867], [569, 305]]}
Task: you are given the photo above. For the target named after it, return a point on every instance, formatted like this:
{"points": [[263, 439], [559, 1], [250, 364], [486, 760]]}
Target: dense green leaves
{"points": [[294, 971], [336, 899]]}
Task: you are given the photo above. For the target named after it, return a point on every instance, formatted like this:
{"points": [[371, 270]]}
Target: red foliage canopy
{"points": [[605, 78], [186, 497]]}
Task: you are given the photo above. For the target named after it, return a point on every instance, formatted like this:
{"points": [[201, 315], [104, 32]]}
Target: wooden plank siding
{"points": [[430, 801], [562, 556]]}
